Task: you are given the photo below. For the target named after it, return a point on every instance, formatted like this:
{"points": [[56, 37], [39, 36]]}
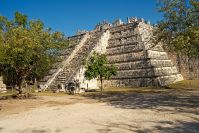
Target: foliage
{"points": [[27, 48], [97, 68], [179, 30]]}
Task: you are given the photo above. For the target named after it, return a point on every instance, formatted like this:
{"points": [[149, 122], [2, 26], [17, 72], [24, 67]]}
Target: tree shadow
{"points": [[179, 127], [172, 100], [181, 100], [1, 129], [110, 127], [159, 127]]}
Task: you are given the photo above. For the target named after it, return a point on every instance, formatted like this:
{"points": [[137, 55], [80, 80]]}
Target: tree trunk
{"points": [[178, 62], [20, 84], [101, 80], [35, 81]]}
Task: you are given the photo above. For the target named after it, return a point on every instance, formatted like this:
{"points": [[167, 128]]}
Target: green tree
{"points": [[179, 30], [20, 19], [26, 47], [96, 67]]}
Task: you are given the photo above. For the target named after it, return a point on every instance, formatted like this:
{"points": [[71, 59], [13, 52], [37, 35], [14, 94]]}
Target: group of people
{"points": [[73, 86]]}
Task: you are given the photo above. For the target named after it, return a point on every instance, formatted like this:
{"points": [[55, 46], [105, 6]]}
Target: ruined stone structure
{"points": [[189, 68], [2, 86], [127, 45]]}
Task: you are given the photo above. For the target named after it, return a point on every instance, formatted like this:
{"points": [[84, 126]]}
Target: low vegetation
{"points": [[96, 67]]}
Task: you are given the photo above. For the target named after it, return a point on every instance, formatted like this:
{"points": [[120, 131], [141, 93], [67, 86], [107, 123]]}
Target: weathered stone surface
{"points": [[74, 65], [188, 67], [137, 82], [75, 44], [126, 57], [127, 45], [124, 49], [2, 86], [141, 63]]}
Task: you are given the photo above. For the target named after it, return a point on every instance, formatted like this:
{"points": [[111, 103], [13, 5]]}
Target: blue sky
{"points": [[70, 15]]}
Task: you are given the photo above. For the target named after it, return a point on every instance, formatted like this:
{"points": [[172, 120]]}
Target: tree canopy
{"points": [[27, 48], [179, 30], [96, 67]]}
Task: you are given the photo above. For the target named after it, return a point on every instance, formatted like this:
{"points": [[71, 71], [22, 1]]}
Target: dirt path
{"points": [[172, 111]]}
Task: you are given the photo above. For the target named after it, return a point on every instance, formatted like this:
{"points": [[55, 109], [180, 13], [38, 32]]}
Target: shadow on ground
{"points": [[179, 99], [172, 101], [178, 127]]}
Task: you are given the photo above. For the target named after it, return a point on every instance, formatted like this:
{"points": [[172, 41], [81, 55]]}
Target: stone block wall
{"points": [[2, 86], [138, 63], [189, 68]]}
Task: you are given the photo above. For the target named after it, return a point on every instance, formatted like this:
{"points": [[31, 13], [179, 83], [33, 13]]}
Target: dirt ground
{"points": [[169, 111]]}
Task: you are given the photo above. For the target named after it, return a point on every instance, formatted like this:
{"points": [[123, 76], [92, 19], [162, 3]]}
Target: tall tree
{"points": [[179, 30], [27, 47], [20, 19], [97, 67]]}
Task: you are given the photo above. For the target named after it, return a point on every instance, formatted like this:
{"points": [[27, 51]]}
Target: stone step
{"points": [[70, 69], [120, 36], [119, 43], [157, 55], [121, 28], [163, 71], [141, 64], [161, 63], [147, 72], [125, 57], [157, 48], [169, 79], [124, 49], [138, 82], [115, 45]]}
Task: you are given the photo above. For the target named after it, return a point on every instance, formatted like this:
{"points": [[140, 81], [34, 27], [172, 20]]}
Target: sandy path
{"points": [[87, 116]]}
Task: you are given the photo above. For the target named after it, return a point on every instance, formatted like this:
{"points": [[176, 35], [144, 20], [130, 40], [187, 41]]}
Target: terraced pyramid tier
{"points": [[138, 64], [128, 47]]}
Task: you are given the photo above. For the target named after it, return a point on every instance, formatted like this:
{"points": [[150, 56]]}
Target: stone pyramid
{"points": [[127, 45]]}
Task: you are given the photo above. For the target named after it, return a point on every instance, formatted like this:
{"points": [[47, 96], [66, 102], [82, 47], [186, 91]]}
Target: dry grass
{"points": [[48, 93], [185, 84], [125, 90], [8, 93], [130, 90]]}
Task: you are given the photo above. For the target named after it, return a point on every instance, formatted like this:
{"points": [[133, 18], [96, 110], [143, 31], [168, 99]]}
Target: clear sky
{"points": [[69, 15]]}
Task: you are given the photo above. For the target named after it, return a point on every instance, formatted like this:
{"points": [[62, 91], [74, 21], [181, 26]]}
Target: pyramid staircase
{"points": [[72, 62]]}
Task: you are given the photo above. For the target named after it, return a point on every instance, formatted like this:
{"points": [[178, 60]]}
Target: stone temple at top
{"points": [[128, 46]]}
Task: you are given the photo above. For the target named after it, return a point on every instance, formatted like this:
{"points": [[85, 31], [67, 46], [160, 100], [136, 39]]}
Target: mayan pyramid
{"points": [[127, 45]]}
